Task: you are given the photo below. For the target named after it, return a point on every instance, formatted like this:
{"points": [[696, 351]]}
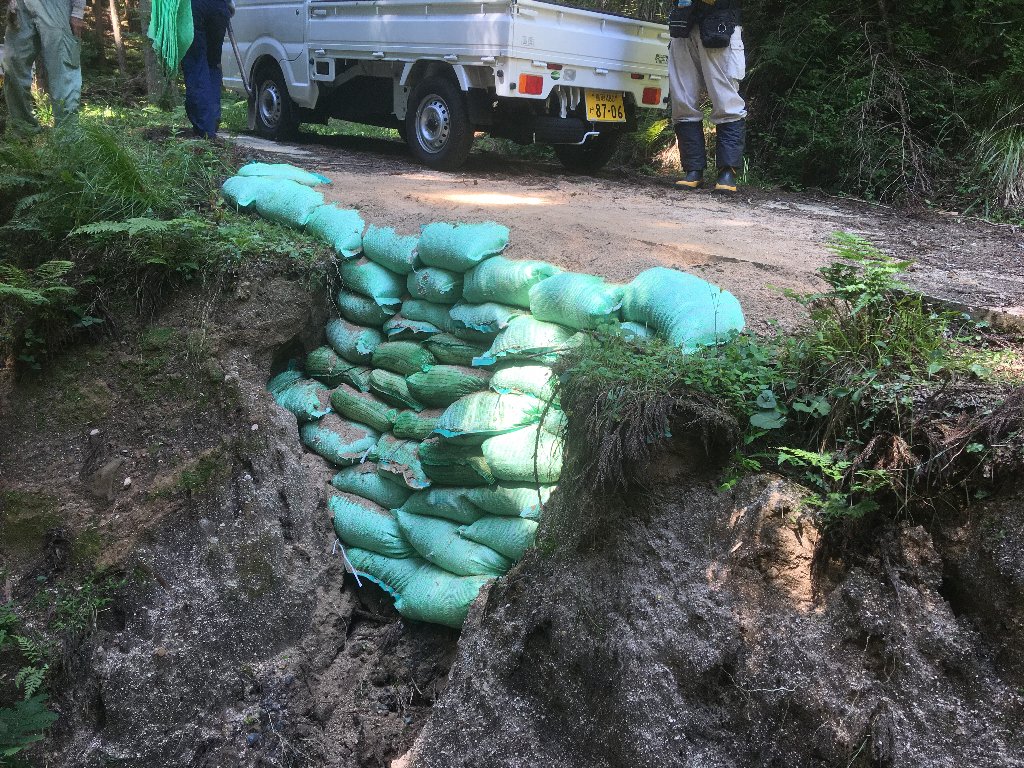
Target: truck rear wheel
{"points": [[437, 127], [276, 114], [593, 155]]}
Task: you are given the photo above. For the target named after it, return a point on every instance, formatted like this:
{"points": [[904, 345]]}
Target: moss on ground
{"points": [[26, 517]]}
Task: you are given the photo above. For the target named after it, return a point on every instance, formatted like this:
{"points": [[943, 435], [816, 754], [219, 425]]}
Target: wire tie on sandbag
{"points": [[339, 545]]}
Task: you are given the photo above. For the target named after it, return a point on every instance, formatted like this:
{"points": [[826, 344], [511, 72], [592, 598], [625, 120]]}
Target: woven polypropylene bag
{"points": [[435, 284], [286, 202], [389, 249], [393, 389], [283, 171], [510, 536], [487, 318], [399, 462], [441, 385], [686, 311], [363, 480], [353, 342], [402, 357], [340, 441], [362, 310], [505, 281], [326, 366], [636, 331], [452, 350], [358, 377], [416, 426], [363, 407], [529, 339], [577, 301], [309, 400], [537, 380], [283, 380], [530, 455], [454, 465], [438, 541], [449, 503], [370, 279], [429, 312], [476, 417], [511, 499], [458, 247], [400, 328], [341, 228], [361, 523]]}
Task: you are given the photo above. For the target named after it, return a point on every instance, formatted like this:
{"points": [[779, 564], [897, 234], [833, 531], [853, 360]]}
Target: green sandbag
{"points": [[398, 461], [340, 441], [367, 278], [326, 366], [363, 408], [578, 301], [393, 389], [309, 400], [530, 455], [362, 310], [416, 426], [458, 247], [283, 380], [341, 228], [451, 350], [437, 285], [428, 312], [505, 281], [400, 328], [481, 415], [283, 171], [437, 541], [486, 318], [422, 591], [457, 465], [361, 523], [683, 309], [536, 380], [358, 377], [511, 499], [402, 357], [449, 503], [529, 339], [389, 249], [554, 422], [473, 336], [636, 331], [281, 200], [509, 536], [441, 385], [363, 480], [353, 342]]}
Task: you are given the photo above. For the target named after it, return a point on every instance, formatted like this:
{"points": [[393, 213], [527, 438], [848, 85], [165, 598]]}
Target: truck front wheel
{"points": [[437, 127], [590, 156], [276, 114]]}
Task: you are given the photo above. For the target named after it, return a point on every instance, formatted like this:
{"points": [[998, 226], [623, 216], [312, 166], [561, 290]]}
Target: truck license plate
{"points": [[605, 107]]}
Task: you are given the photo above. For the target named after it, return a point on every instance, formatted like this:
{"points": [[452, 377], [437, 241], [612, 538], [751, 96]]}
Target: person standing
{"points": [[706, 56], [46, 31], [201, 65]]}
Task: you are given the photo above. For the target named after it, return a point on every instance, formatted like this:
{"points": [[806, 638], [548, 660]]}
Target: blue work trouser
{"points": [[201, 66]]}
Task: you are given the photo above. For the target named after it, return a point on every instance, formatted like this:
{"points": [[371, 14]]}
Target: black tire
{"points": [[437, 127], [590, 156], [277, 117]]}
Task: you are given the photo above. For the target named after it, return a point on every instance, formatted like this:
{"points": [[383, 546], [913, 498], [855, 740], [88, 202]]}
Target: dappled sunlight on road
{"points": [[490, 198]]}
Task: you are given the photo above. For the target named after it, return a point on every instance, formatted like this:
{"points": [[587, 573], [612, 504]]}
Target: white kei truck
{"points": [[441, 70]]}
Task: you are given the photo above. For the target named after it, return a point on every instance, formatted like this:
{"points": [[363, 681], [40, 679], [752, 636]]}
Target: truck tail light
{"points": [[636, 76], [532, 85], [652, 96]]}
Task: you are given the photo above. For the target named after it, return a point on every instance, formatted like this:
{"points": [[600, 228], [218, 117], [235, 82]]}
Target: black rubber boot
{"points": [[692, 154], [731, 139], [726, 181], [692, 180]]}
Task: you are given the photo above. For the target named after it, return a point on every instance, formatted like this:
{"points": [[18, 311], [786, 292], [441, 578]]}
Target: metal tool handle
{"points": [[238, 60]]}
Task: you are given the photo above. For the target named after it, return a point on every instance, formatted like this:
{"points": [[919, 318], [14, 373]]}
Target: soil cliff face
{"points": [[696, 634]]}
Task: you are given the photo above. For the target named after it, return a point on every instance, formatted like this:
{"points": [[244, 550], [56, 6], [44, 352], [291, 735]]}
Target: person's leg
{"points": [[21, 48], [216, 29], [195, 73], [62, 57], [686, 84], [729, 112]]}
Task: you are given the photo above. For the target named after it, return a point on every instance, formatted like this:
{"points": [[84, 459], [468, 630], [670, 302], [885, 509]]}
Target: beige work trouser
{"points": [[695, 70]]}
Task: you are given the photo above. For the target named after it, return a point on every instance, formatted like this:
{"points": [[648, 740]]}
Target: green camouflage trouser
{"points": [[41, 31]]}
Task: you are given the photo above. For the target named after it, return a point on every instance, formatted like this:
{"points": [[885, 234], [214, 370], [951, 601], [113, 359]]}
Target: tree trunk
{"points": [[115, 26], [95, 31], [154, 77]]}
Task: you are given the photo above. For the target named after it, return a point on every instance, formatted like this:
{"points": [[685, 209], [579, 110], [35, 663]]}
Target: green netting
{"points": [[307, 399], [536, 380], [171, 30], [449, 503], [358, 376], [402, 357], [428, 312], [530, 455], [286, 202], [529, 339], [353, 342], [578, 301], [682, 308], [448, 464], [339, 440], [341, 228], [400, 328], [362, 310], [362, 480], [363, 408], [399, 462], [509, 536], [389, 249], [636, 331], [434, 284], [481, 415], [438, 541], [422, 591], [511, 499], [487, 318], [326, 366], [361, 523], [450, 350], [370, 279], [441, 385], [505, 281], [458, 247], [416, 426], [283, 171], [393, 389]]}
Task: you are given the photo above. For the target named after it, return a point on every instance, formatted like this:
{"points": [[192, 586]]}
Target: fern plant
{"points": [[24, 724]]}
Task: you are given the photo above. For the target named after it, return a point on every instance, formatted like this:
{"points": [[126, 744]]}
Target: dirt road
{"points": [[616, 225]]}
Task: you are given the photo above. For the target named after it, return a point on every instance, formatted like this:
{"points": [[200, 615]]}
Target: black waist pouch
{"points": [[717, 27], [680, 21]]}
